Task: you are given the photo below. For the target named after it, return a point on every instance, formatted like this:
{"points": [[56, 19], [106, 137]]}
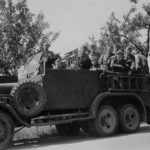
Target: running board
{"points": [[59, 119]]}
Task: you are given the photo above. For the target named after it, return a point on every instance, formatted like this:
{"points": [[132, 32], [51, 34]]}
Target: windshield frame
{"points": [[31, 67]]}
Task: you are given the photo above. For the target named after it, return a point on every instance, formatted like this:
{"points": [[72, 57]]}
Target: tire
{"points": [[68, 128], [106, 121], [29, 99], [6, 130], [129, 118]]}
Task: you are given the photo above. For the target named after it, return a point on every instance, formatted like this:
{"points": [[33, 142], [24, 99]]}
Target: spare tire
{"points": [[29, 99]]}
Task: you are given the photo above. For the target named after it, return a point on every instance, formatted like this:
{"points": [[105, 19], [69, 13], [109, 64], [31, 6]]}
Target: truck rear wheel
{"points": [[129, 118], [106, 121], [6, 130], [29, 99], [68, 128]]}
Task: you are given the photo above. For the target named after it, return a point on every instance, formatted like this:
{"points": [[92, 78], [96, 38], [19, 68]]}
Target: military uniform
{"points": [[104, 60], [141, 64], [117, 65], [130, 62], [85, 62], [94, 57]]}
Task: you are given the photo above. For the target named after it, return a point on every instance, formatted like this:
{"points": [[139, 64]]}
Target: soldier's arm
{"points": [[133, 64], [101, 60], [115, 65]]}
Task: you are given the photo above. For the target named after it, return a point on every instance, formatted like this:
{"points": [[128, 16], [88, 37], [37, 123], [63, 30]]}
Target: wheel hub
{"points": [[130, 118], [107, 121]]}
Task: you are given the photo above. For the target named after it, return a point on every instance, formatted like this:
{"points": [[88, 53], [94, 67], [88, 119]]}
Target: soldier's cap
{"points": [[120, 52]]}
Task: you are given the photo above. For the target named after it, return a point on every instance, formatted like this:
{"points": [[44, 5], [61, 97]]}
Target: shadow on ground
{"points": [[26, 144]]}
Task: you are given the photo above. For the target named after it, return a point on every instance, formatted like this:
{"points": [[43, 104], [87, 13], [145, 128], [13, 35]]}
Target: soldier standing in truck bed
{"points": [[130, 60], [141, 63], [104, 59], [117, 62], [94, 57]]}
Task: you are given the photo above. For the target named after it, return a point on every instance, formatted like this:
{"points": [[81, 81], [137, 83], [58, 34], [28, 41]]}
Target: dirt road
{"points": [[137, 141]]}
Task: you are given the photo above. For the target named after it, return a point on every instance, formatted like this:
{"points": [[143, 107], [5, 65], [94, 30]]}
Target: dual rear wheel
{"points": [[129, 118], [108, 120]]}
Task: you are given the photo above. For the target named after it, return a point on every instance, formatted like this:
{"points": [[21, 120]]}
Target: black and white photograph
{"points": [[74, 74]]}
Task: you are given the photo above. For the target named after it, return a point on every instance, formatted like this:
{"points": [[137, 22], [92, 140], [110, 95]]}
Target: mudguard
{"points": [[10, 111], [99, 98]]}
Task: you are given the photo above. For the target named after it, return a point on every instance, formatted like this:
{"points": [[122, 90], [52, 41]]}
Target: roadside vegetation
{"points": [[35, 133]]}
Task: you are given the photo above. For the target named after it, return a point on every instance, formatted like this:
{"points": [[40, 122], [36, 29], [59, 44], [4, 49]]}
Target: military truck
{"points": [[100, 103]]}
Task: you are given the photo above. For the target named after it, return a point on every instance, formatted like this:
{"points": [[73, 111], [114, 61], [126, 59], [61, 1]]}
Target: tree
{"points": [[22, 33], [109, 34], [120, 34], [131, 29]]}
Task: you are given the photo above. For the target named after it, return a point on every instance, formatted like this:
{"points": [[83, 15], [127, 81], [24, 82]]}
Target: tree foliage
{"points": [[128, 31], [22, 33]]}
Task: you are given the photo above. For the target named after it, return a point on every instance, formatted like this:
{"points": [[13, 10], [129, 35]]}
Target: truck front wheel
{"points": [[106, 121], [6, 130], [129, 118]]}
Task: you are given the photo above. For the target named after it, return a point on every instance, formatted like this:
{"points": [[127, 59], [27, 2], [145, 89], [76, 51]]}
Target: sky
{"points": [[77, 20]]}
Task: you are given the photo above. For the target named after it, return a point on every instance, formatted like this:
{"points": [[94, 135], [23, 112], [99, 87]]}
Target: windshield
{"points": [[31, 67]]}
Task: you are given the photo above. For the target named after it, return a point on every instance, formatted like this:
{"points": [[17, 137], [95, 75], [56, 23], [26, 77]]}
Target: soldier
{"points": [[94, 57], [117, 63], [141, 63], [84, 60], [104, 59], [130, 60]]}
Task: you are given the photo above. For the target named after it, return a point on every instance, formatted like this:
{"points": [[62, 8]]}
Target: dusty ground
{"points": [[137, 141]]}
